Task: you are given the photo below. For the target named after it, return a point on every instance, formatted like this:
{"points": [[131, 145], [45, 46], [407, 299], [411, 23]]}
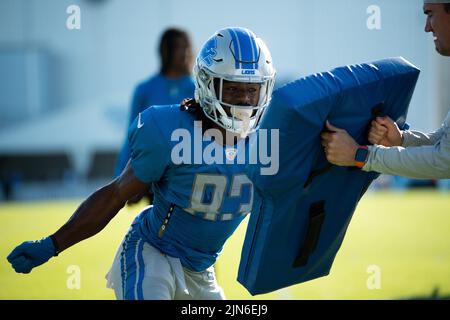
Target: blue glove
{"points": [[31, 254]]}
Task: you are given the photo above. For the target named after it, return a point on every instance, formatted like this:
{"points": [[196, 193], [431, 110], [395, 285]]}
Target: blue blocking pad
{"points": [[300, 215]]}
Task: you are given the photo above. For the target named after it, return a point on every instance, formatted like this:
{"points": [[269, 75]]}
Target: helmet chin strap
{"points": [[241, 114], [244, 116], [245, 128], [239, 122]]}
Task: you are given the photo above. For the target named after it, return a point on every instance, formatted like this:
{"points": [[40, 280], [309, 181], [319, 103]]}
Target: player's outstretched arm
{"points": [[89, 219]]}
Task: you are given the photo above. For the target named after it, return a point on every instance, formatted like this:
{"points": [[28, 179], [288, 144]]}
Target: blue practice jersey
{"points": [[157, 90], [208, 200]]}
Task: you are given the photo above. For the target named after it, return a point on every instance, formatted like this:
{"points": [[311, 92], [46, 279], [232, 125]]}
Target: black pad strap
{"points": [[315, 173], [163, 227], [316, 219], [377, 111]]}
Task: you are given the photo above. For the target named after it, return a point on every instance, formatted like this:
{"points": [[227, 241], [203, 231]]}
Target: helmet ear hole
{"points": [[203, 76]]}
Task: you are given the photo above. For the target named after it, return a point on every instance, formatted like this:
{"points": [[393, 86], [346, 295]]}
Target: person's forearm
{"points": [[413, 138], [90, 217], [416, 138], [425, 162]]}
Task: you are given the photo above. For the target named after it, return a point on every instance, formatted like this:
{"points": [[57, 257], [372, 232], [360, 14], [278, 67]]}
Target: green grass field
{"points": [[405, 235]]}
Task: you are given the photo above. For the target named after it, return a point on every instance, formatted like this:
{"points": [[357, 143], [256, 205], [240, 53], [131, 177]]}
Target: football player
{"points": [[171, 247]]}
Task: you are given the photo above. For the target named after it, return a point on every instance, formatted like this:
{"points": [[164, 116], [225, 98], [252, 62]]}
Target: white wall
{"points": [[117, 44]]}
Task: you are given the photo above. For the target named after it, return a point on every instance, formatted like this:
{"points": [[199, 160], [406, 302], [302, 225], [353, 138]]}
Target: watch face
{"points": [[361, 155]]}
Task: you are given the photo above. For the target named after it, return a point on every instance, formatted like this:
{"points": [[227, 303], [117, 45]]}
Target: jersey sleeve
{"points": [[149, 148]]}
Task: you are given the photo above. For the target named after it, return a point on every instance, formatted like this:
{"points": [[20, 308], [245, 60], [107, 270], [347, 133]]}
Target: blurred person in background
{"points": [[407, 153], [170, 85]]}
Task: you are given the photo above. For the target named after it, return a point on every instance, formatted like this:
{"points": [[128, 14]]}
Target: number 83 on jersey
{"points": [[209, 196]]}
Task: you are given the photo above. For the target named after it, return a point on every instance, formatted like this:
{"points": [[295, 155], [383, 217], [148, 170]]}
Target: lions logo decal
{"points": [[209, 51]]}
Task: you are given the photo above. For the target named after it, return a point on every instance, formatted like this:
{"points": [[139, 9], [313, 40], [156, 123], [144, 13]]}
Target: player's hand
{"points": [[340, 148], [384, 131], [31, 254]]}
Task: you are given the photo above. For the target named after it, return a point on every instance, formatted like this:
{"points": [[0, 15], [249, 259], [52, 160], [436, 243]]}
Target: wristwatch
{"points": [[361, 156]]}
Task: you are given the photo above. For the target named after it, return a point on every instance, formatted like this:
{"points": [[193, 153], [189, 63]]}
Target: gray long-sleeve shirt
{"points": [[422, 155]]}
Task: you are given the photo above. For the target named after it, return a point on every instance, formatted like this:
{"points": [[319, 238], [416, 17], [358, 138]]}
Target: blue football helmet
{"points": [[238, 55]]}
